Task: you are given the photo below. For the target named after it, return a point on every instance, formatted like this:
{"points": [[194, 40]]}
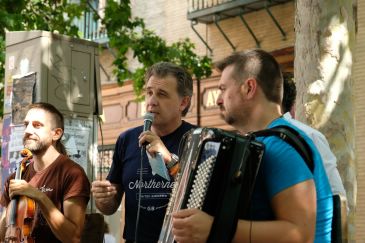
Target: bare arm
{"points": [[107, 196], [295, 210], [3, 225], [67, 227]]}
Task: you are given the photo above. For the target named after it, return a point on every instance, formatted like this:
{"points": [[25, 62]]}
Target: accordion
{"points": [[217, 175]]}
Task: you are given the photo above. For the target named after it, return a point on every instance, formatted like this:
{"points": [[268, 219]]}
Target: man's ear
{"points": [[57, 134], [249, 88], [185, 102]]}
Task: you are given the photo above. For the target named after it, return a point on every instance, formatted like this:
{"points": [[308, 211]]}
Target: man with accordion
{"points": [[290, 202]]}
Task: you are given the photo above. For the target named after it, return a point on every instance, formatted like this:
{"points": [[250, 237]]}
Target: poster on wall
{"points": [[15, 146], [23, 95], [8, 90], [78, 139], [5, 164]]}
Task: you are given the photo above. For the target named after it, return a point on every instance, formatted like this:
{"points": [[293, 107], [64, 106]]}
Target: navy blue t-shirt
{"points": [[125, 170]]}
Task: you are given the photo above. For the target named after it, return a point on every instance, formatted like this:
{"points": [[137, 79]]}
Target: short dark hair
{"points": [[290, 92], [183, 78], [57, 118], [258, 64]]}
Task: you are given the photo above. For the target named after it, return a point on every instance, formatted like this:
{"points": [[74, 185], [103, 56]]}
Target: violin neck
{"points": [[18, 173], [13, 211], [14, 202]]}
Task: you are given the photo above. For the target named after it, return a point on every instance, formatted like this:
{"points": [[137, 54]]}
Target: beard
{"points": [[228, 119], [35, 146]]}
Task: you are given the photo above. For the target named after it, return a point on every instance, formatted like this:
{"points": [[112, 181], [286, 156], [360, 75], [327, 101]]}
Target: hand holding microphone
{"points": [[151, 141], [147, 123]]}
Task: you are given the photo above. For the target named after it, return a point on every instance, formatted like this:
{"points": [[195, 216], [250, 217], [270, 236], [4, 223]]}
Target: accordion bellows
{"points": [[217, 175]]}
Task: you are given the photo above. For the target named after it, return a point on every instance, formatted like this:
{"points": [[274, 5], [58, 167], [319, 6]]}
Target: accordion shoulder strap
{"points": [[292, 137], [225, 221]]}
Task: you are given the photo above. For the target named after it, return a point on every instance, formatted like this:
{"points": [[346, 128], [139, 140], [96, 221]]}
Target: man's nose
{"points": [[219, 100], [152, 100], [29, 129]]}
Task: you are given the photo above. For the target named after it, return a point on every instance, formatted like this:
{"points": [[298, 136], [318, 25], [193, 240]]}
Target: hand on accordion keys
{"points": [[191, 225]]}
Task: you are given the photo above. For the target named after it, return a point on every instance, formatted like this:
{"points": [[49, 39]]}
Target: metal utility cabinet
{"points": [[65, 70]]}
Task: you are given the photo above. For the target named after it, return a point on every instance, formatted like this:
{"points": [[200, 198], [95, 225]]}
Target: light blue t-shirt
{"points": [[282, 167]]}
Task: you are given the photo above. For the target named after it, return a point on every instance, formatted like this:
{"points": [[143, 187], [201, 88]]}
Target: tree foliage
{"points": [[128, 33], [125, 34]]}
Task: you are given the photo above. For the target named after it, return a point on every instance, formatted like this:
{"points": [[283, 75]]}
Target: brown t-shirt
{"points": [[62, 180]]}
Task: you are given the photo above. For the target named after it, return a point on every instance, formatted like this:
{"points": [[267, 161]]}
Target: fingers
{"points": [[104, 183], [16, 185], [22, 188], [154, 143], [184, 213], [191, 225], [181, 230], [180, 218], [181, 235], [103, 189], [146, 137]]}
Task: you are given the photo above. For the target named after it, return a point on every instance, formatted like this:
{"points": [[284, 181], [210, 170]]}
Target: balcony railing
{"points": [[90, 28], [195, 5], [205, 11]]}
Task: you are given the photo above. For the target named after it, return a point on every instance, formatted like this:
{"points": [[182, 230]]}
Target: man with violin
{"points": [[53, 189]]}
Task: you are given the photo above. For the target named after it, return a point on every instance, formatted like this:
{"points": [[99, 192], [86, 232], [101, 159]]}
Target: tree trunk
{"points": [[325, 41]]}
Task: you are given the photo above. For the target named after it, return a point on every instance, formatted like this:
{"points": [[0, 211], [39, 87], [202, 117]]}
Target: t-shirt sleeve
{"points": [[116, 169], [76, 184], [283, 166]]}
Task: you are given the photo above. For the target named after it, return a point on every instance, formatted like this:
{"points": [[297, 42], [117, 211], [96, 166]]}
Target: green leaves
{"points": [[52, 16]]}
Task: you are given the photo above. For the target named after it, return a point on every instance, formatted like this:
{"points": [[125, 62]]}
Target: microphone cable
{"points": [[143, 149], [148, 119]]}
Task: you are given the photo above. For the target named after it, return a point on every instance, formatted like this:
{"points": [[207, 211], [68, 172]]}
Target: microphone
{"points": [[148, 119]]}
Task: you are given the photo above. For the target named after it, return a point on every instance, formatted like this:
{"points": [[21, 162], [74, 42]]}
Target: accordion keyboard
{"points": [[201, 183]]}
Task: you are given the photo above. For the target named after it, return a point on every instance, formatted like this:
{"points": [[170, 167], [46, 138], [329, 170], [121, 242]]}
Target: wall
{"points": [[359, 90]]}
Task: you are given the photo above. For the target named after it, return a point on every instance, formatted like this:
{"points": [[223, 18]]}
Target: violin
{"points": [[21, 210]]}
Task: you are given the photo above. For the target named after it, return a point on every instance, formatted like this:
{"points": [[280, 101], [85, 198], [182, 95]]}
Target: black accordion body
{"points": [[217, 175]]}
